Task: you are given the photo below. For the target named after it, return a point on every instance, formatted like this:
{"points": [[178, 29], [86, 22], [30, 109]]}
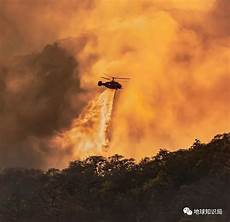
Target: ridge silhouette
{"points": [[118, 189]]}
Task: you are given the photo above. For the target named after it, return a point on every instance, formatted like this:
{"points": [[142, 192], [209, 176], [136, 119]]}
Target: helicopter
{"points": [[112, 84]]}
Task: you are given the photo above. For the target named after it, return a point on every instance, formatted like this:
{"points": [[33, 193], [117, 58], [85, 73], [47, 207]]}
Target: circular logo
{"points": [[187, 211]]}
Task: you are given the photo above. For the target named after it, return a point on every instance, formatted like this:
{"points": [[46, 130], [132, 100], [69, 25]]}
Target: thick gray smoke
{"points": [[40, 94]]}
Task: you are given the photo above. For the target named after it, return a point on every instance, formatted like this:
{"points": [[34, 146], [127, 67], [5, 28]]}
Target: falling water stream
{"points": [[89, 133]]}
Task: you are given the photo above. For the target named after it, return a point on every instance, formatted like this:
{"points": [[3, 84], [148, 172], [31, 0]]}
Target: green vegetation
{"points": [[117, 189]]}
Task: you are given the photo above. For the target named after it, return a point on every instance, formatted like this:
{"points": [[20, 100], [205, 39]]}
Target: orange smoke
{"points": [[176, 52]]}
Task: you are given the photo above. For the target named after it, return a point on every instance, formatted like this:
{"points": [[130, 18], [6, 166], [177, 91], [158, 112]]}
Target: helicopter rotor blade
{"points": [[105, 78], [123, 80], [108, 77], [120, 78]]}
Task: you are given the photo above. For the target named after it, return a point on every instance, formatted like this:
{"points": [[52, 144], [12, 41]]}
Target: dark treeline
{"points": [[118, 189]]}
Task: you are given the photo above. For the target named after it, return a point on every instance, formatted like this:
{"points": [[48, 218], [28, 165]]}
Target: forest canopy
{"points": [[119, 189]]}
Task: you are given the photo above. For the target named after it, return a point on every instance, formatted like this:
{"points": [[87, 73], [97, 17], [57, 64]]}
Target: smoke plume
{"points": [[176, 53], [37, 94], [26, 25]]}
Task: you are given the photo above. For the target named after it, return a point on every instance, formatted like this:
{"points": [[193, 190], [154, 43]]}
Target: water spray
{"points": [[90, 131]]}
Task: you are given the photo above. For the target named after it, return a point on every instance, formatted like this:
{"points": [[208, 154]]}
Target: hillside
{"points": [[119, 189]]}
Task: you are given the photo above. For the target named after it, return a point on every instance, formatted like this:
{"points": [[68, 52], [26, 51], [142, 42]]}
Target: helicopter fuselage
{"points": [[111, 84]]}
